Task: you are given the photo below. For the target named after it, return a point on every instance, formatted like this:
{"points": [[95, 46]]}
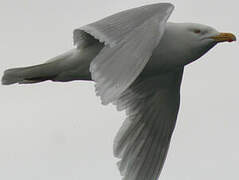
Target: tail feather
{"points": [[41, 72], [32, 74], [71, 65]]}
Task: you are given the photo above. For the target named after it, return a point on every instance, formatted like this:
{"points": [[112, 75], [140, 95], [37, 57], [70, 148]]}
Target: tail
{"points": [[38, 73], [32, 74], [71, 65]]}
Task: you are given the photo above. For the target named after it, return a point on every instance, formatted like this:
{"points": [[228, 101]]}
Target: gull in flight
{"points": [[136, 59]]}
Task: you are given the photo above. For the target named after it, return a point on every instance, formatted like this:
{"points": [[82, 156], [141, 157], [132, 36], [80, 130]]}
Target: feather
{"points": [[130, 38], [113, 29], [143, 140]]}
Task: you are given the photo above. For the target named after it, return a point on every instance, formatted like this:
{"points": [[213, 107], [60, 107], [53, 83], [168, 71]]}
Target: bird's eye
{"points": [[197, 31]]}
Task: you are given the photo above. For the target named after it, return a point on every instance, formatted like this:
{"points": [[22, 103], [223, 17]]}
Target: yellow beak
{"points": [[222, 37]]}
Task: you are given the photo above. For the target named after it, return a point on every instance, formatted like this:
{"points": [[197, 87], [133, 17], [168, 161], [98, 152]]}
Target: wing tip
{"points": [[78, 34]]}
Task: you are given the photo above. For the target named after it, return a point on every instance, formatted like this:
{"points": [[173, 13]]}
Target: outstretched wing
{"points": [[130, 38], [142, 142]]}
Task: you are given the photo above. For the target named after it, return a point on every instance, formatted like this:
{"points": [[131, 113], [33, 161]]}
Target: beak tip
{"points": [[224, 37], [232, 37]]}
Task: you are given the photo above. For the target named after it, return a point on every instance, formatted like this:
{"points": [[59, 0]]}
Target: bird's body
{"points": [[137, 62], [75, 63]]}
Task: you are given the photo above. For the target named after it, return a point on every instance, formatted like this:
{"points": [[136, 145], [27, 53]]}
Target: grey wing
{"points": [[130, 38], [143, 140]]}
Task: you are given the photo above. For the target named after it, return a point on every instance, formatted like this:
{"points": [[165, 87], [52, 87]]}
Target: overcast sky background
{"points": [[60, 131]]}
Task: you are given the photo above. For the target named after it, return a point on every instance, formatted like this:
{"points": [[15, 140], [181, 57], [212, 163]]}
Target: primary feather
{"points": [[125, 51], [136, 59], [142, 142]]}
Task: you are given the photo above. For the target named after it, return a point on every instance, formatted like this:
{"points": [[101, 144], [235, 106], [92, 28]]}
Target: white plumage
{"points": [[136, 59]]}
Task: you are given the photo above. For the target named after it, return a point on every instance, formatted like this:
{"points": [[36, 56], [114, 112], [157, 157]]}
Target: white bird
{"points": [[136, 59]]}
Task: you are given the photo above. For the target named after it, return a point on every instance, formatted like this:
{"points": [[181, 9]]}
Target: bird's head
{"points": [[206, 34], [196, 39]]}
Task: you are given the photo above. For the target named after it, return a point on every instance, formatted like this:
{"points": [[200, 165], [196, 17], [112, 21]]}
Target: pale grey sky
{"points": [[60, 131]]}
